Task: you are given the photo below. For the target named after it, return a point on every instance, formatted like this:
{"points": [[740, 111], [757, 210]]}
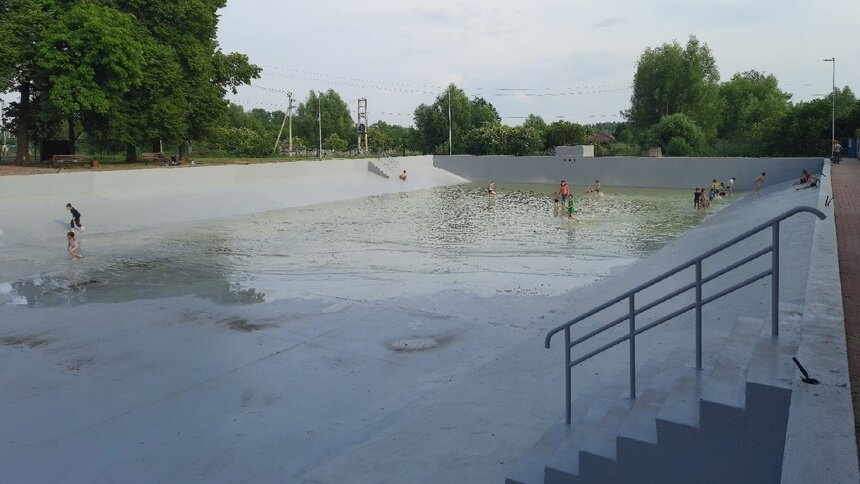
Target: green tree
{"points": [[673, 79], [498, 139], [431, 122], [565, 133], [334, 114], [187, 74], [805, 129], [678, 135], [23, 24], [754, 107], [92, 57], [335, 143]]}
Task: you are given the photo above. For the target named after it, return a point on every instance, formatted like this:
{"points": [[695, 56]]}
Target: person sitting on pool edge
{"points": [[403, 175]]}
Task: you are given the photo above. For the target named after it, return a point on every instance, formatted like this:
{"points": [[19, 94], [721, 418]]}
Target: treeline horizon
{"points": [[123, 78]]}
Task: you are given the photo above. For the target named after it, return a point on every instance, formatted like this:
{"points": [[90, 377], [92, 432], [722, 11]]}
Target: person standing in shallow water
{"points": [[759, 183], [563, 193], [74, 248]]}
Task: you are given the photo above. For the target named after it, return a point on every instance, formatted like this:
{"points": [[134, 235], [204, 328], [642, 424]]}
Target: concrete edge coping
{"points": [[820, 443]]}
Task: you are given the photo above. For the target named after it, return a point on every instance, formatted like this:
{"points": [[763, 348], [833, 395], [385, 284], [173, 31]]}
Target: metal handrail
{"points": [[696, 262]]}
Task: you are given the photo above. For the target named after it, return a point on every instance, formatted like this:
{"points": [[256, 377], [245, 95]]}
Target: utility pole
{"points": [[287, 115], [362, 124], [4, 148], [319, 122], [833, 96], [290, 113], [450, 146]]}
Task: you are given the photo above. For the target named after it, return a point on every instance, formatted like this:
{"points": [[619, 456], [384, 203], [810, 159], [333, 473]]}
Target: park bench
{"points": [[60, 161], [157, 158]]}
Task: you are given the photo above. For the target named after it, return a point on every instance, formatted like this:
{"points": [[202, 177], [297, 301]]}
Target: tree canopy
{"points": [[673, 79], [431, 122], [134, 72]]}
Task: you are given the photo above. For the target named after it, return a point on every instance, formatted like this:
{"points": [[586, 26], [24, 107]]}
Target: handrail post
{"points": [[774, 285], [567, 372], [632, 347], [699, 314]]}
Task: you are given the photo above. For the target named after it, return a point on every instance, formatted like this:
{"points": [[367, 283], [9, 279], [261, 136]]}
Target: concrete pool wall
{"points": [[112, 201], [144, 373], [665, 172]]}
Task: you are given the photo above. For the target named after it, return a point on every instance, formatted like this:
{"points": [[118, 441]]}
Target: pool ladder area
{"points": [[386, 166], [633, 311]]}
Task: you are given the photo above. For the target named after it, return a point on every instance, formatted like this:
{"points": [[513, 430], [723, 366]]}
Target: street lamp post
{"points": [[833, 98], [450, 148]]}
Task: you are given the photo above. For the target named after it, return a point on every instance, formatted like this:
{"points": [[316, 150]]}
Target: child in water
{"points": [[73, 245], [571, 210], [76, 217]]}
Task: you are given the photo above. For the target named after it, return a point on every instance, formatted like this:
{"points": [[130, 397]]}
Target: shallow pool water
{"points": [[407, 244]]}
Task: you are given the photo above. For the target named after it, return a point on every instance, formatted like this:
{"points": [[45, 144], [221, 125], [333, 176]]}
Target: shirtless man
{"points": [[759, 183], [491, 188]]}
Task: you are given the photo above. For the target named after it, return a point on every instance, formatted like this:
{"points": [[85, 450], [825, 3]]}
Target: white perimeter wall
{"points": [[626, 171]]}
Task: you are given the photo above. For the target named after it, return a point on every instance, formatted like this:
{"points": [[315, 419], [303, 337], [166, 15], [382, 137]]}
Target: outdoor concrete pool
{"points": [[372, 248]]}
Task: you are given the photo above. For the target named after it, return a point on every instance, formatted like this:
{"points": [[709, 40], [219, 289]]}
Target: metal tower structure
{"points": [[362, 125]]}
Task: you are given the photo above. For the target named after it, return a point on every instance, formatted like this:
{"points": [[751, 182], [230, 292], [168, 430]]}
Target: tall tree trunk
{"points": [[72, 136], [183, 151], [22, 137], [130, 153]]}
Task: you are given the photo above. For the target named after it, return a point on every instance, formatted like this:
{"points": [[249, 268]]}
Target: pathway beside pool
{"points": [[846, 192]]}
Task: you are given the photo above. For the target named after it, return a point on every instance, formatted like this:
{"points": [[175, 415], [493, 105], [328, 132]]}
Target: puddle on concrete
{"points": [[449, 238]]}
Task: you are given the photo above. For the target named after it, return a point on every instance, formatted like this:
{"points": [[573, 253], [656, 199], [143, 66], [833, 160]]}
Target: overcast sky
{"points": [[557, 58]]}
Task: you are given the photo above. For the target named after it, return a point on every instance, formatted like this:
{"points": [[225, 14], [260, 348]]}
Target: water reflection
{"points": [[448, 237]]}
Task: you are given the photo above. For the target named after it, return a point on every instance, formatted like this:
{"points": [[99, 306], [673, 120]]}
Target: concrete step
{"points": [[596, 439], [558, 444], [726, 385]]}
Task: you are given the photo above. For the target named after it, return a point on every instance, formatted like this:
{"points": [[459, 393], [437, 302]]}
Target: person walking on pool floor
{"points": [[73, 246], [76, 217], [759, 183]]}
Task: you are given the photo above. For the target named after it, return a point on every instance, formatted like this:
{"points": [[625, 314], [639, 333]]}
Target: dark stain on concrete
{"points": [[29, 340], [243, 325], [415, 343]]}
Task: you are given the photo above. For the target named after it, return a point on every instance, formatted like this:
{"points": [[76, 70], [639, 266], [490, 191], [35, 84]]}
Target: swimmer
{"points": [[597, 186], [73, 245], [491, 188]]}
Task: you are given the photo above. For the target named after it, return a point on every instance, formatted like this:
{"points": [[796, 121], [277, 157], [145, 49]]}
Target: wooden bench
{"points": [[60, 161], [157, 158]]}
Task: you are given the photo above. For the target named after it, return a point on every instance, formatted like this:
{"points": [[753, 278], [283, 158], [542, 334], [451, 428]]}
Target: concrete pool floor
{"points": [[325, 390]]}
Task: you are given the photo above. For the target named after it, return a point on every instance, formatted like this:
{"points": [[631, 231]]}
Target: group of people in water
{"points": [[563, 198], [702, 197]]}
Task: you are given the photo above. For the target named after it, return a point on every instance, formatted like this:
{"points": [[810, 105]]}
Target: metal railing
{"points": [[697, 284]]}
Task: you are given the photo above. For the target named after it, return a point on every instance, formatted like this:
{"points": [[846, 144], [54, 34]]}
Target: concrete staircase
{"points": [[725, 423], [386, 167]]}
